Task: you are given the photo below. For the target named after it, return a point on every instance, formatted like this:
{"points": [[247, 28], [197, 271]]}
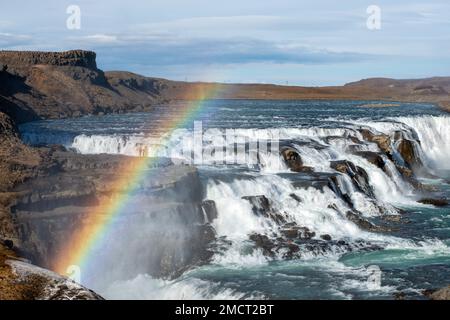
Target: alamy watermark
{"points": [[73, 22], [228, 146], [374, 279], [73, 272], [374, 20]]}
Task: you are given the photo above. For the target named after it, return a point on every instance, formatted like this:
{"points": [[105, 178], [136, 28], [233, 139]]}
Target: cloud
{"points": [[160, 50], [9, 40], [101, 38], [251, 24]]}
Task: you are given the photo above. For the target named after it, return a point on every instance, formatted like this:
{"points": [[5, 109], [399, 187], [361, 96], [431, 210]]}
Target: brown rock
{"points": [[434, 202], [441, 294], [294, 161], [406, 149]]}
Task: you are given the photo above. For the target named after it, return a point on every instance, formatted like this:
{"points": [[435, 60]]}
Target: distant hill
{"points": [[41, 85]]}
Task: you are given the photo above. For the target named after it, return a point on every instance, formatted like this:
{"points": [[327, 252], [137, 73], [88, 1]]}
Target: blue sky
{"points": [[283, 41]]}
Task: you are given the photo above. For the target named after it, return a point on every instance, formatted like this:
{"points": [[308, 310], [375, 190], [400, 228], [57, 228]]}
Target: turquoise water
{"points": [[412, 257]]}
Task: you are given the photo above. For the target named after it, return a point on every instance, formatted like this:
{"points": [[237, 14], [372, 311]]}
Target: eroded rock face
{"points": [[30, 86], [165, 212], [383, 141], [407, 150], [20, 60], [358, 175]]}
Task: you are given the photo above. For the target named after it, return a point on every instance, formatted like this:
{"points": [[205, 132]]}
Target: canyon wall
{"points": [[164, 217]]}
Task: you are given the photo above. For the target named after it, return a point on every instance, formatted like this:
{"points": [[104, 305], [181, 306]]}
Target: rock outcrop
{"points": [[67, 195], [20, 62], [441, 294], [45, 193], [36, 85], [32, 282]]}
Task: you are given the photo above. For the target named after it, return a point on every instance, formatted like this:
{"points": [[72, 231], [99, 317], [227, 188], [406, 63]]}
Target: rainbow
{"points": [[78, 250]]}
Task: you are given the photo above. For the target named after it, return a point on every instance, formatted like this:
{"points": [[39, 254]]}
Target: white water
{"points": [[317, 147], [144, 287], [434, 135]]}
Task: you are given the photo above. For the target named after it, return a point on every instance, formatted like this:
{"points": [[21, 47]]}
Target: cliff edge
{"points": [[48, 85]]}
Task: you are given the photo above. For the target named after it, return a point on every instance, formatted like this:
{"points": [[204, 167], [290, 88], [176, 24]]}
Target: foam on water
{"points": [[144, 287], [319, 140]]}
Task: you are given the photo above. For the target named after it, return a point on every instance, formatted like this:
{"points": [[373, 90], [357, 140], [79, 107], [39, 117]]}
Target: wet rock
{"points": [[264, 243], [335, 185], [358, 175], [261, 206], [8, 243], [405, 172], [373, 157], [407, 149], [293, 160], [305, 234], [393, 218], [383, 141], [289, 233], [259, 202], [291, 250], [434, 202], [410, 177], [363, 223], [305, 180], [296, 197], [210, 210], [296, 232], [325, 237]]}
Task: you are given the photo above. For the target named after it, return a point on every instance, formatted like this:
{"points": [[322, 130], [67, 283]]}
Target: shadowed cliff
{"points": [[43, 85]]}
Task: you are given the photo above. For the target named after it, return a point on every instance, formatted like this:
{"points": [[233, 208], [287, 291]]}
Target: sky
{"points": [[293, 42]]}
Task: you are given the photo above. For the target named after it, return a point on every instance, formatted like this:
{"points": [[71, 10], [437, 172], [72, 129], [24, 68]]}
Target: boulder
{"points": [[434, 202], [325, 237], [294, 161]]}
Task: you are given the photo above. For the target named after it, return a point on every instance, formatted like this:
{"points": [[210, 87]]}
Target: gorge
{"points": [[356, 187]]}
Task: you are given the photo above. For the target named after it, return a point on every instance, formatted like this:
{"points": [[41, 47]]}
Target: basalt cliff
{"points": [[48, 192]]}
